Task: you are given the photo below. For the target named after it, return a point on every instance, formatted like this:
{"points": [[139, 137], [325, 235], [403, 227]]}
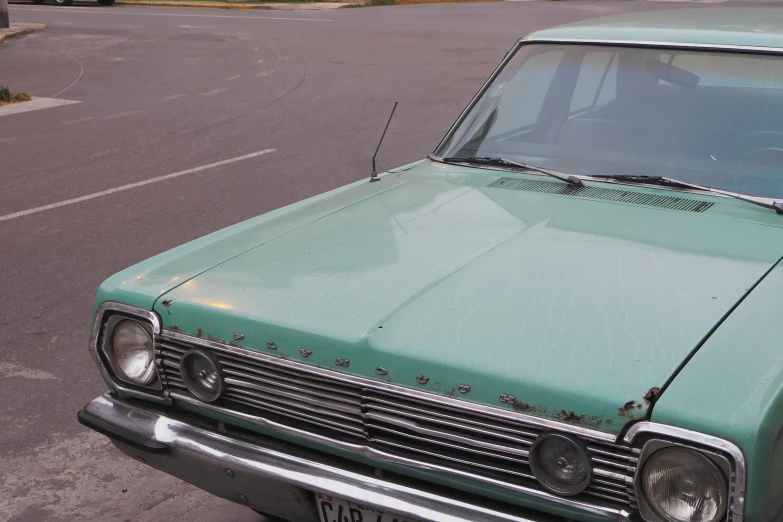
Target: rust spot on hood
{"points": [[652, 395], [523, 407], [629, 407], [580, 420], [199, 333], [570, 416]]}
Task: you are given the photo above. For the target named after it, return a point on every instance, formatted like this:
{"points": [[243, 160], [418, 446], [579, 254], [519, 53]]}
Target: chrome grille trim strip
{"points": [[394, 407], [427, 397], [458, 425], [598, 509], [325, 401], [414, 426], [440, 456], [451, 445]]}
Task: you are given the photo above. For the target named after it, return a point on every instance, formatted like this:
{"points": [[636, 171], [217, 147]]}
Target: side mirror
{"points": [[673, 74]]}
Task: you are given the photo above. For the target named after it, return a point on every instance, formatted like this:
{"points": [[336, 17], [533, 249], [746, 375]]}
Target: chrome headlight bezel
{"points": [[652, 446], [108, 316]]}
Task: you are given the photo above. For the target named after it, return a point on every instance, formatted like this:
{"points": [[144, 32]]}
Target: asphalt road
{"points": [[164, 91]]}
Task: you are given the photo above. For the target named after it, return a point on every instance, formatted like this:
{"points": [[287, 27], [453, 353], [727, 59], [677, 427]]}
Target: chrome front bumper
{"points": [[270, 478]]}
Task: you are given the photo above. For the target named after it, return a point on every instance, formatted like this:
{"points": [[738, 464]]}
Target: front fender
{"points": [[733, 388]]}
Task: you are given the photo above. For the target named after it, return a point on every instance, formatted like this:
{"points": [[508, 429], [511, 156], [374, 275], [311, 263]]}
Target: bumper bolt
{"points": [[229, 473]]}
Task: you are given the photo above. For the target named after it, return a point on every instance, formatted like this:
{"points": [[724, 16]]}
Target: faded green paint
{"points": [[733, 388], [576, 307], [742, 26], [142, 283]]}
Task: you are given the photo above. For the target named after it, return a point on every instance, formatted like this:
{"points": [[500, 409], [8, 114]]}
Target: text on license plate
{"points": [[333, 509]]}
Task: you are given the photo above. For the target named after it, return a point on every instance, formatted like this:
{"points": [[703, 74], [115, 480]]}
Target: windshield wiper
{"points": [[777, 206], [502, 162]]}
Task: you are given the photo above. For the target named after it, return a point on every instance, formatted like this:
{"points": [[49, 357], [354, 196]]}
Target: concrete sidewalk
{"points": [[18, 29], [310, 6]]}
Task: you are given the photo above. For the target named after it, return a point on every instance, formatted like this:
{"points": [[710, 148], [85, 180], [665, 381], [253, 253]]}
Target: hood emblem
{"points": [[238, 336], [422, 379], [508, 399], [305, 352], [342, 362], [463, 388], [380, 370], [271, 345]]}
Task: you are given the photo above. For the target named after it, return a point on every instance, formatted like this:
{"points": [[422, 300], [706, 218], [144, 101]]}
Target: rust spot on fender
{"points": [[652, 395], [167, 304], [174, 329]]}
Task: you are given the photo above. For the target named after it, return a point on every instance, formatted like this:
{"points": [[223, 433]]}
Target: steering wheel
{"points": [[763, 147]]}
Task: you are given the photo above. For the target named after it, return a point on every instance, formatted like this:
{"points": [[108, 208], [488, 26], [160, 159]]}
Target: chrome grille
{"points": [[280, 391], [449, 435], [485, 443]]}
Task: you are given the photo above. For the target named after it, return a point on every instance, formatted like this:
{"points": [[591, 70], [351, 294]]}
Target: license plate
{"points": [[333, 509]]}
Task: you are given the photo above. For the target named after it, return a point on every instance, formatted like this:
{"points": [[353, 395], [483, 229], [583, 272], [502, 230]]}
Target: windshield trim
{"points": [[655, 43], [610, 181]]}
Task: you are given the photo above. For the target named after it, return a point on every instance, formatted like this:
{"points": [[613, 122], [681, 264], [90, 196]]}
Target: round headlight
{"points": [[683, 486], [560, 463], [134, 353], [200, 372]]}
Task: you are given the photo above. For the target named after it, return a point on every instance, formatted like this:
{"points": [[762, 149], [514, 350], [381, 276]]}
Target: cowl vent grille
{"points": [[605, 194]]}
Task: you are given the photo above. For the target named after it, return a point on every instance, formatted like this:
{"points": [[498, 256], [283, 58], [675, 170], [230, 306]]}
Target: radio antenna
{"points": [[374, 176]]}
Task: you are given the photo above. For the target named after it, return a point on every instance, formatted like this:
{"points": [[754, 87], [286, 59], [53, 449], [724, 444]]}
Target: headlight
{"points": [[683, 486], [134, 353], [560, 463]]}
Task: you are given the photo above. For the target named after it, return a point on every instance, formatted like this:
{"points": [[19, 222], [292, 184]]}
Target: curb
{"points": [[215, 5], [20, 29]]}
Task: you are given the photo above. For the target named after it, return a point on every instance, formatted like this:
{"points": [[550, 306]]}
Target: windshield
{"points": [[709, 118]]}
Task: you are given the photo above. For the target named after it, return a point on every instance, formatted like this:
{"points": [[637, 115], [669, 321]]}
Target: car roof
{"points": [[728, 26]]}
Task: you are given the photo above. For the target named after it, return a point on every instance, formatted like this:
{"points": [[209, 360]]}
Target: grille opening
{"points": [[490, 446], [603, 193]]}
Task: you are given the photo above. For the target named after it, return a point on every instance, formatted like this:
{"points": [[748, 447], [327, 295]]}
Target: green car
{"points": [[568, 311]]}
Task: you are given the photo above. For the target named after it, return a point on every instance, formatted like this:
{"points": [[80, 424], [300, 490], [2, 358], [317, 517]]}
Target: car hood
{"points": [[579, 309]]}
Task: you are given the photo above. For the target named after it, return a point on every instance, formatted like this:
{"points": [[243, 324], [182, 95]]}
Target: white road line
{"points": [[174, 97], [76, 121], [134, 185], [265, 73], [259, 61], [121, 114], [234, 77], [7, 140], [92, 10], [214, 91], [81, 70]]}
